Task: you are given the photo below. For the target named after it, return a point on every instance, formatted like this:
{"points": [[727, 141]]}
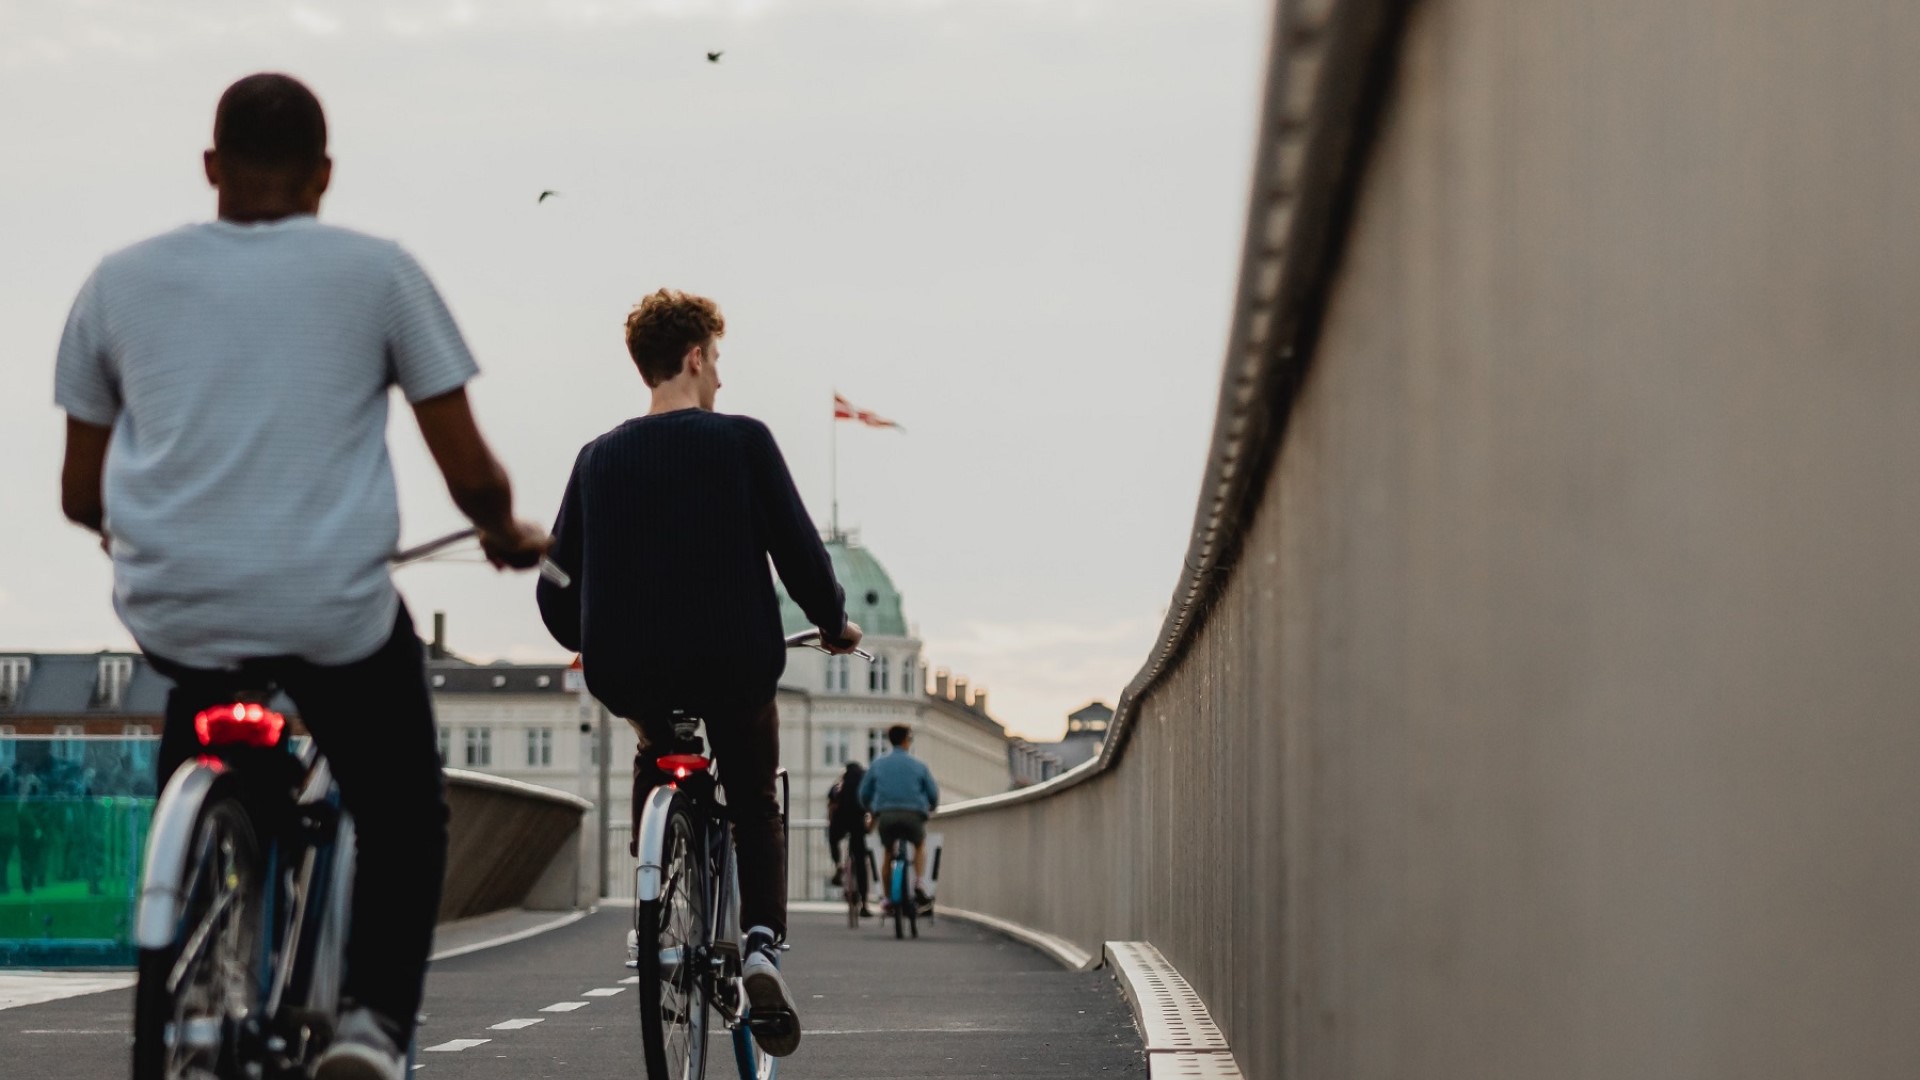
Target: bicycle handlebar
{"points": [[810, 639], [548, 568]]}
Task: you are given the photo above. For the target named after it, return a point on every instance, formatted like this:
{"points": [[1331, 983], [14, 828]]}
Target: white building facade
{"points": [[520, 721]]}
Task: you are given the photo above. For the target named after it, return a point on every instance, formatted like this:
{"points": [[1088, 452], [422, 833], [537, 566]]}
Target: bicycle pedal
{"points": [[773, 1024]]}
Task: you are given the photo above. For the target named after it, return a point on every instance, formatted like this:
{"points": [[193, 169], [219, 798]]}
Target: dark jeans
{"points": [[746, 744], [856, 838], [373, 719]]}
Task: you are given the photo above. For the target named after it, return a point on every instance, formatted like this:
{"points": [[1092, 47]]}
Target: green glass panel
{"points": [[73, 831]]}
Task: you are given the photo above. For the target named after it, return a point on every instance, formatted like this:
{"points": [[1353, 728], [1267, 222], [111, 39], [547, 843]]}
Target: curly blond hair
{"points": [[663, 326]]}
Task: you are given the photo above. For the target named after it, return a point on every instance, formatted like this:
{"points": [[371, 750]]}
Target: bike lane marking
{"points": [[565, 1006], [516, 1025], [454, 1046], [605, 991]]}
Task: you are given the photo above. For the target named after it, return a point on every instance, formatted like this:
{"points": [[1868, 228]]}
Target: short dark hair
{"points": [[899, 733], [270, 121], [662, 327]]}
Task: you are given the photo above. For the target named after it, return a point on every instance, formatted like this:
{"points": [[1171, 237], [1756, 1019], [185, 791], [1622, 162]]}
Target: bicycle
{"points": [[853, 867], [246, 897], [686, 916], [906, 908]]}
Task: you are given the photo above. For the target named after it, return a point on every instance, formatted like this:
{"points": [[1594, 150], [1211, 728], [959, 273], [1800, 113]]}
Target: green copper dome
{"points": [[872, 601]]}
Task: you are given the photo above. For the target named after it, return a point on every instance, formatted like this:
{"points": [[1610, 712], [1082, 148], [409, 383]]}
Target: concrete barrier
{"points": [[510, 845], [1538, 698]]}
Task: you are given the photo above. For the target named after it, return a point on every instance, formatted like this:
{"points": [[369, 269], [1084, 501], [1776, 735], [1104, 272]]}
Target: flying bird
{"points": [[544, 196], [714, 57]]}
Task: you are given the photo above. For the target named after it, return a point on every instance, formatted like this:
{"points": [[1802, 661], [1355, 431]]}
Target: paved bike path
{"points": [[959, 1002]]}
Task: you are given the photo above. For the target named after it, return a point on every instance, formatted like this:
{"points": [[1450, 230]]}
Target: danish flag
{"points": [[843, 410]]}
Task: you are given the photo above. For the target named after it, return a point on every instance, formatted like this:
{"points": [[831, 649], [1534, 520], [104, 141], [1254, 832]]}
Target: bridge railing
{"points": [[1537, 696]]}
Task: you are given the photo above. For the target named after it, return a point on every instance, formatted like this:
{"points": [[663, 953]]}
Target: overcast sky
{"points": [[1012, 225]]}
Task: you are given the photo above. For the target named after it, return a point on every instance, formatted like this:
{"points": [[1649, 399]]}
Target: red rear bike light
{"points": [[239, 724], [682, 765]]}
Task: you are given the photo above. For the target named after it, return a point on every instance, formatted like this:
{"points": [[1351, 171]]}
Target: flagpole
{"points": [[833, 440]]}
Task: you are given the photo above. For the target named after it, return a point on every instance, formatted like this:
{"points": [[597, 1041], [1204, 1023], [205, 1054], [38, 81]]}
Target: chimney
{"points": [[980, 699], [960, 691], [438, 650], [940, 684]]}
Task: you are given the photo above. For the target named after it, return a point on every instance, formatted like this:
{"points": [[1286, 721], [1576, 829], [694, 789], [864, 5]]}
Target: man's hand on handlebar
{"points": [[849, 640], [520, 545]]}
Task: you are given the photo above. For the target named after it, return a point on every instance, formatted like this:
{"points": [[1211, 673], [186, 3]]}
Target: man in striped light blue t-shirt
{"points": [[226, 388]]}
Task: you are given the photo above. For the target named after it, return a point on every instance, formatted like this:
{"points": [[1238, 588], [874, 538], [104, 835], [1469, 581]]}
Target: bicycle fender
{"points": [[167, 843], [651, 876]]}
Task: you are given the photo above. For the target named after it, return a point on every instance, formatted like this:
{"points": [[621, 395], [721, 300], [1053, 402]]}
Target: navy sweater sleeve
{"points": [[789, 535], [560, 608]]}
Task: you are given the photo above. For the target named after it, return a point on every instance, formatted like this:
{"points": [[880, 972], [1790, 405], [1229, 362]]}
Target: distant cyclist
{"points": [[900, 793], [847, 820], [666, 529], [239, 370]]}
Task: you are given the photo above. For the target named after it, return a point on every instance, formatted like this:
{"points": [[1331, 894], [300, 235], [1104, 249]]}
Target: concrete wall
{"points": [[511, 845], [1549, 702]]}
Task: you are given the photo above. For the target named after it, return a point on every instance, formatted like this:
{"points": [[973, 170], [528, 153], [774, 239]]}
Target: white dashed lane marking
{"points": [[565, 1006], [605, 991], [631, 980], [455, 1045], [516, 1025]]}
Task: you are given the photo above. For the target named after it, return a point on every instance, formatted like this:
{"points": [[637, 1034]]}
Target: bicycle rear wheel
{"points": [[673, 940], [193, 996], [850, 889], [897, 890]]}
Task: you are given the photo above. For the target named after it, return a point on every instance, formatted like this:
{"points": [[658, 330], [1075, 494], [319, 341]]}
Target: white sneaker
{"points": [[363, 1048], [775, 1021]]}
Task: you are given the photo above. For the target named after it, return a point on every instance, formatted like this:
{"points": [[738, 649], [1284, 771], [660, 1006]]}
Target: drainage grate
{"points": [[1192, 1065], [1172, 1017]]}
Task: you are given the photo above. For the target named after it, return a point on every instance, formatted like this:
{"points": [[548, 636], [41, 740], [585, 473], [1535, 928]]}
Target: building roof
{"points": [[68, 684], [456, 676], [872, 599], [1092, 710]]}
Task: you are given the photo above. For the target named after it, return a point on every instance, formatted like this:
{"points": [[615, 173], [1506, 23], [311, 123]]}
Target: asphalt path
{"points": [[959, 1002]]}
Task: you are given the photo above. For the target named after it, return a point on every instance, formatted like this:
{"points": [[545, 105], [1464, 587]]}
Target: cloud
{"points": [[1037, 671], [52, 31], [313, 21]]}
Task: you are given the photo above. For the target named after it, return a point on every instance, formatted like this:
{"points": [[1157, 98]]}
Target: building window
{"points": [[115, 673], [137, 731], [836, 747], [906, 677], [14, 671], [837, 669], [539, 747], [480, 746], [876, 742], [446, 742]]}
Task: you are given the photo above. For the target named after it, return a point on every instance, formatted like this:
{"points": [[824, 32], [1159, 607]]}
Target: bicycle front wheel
{"points": [[673, 941], [193, 997]]}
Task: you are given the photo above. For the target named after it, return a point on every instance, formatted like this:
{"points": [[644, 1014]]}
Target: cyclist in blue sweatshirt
{"points": [[900, 793]]}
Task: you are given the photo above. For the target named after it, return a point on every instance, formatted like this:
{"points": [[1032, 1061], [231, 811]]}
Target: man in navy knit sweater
{"points": [[666, 529]]}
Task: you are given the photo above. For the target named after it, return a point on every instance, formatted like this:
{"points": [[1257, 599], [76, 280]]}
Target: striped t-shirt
{"points": [[244, 370]]}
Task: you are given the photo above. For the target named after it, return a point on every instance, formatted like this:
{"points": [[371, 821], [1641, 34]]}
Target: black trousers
{"points": [[856, 838], [373, 719], [746, 745]]}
